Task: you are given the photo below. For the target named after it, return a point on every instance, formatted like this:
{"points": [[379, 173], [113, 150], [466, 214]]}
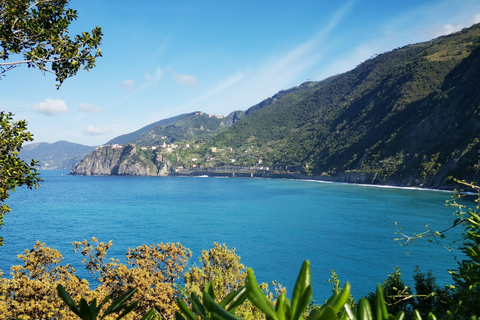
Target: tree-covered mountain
{"points": [[409, 116], [185, 127], [58, 155], [127, 138]]}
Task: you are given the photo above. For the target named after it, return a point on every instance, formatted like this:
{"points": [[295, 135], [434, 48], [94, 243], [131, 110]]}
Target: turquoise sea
{"points": [[274, 224]]}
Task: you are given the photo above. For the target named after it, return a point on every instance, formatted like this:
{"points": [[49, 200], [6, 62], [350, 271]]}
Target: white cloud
{"points": [[128, 84], [449, 28], [184, 79], [96, 131], [222, 86], [51, 107], [89, 108], [152, 79]]}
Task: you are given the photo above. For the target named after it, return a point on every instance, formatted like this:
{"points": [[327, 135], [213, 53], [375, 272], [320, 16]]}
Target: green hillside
{"points": [[192, 126], [393, 116], [406, 117]]}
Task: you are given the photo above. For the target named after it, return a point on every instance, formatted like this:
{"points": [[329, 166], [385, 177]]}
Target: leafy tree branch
{"points": [[35, 33]]}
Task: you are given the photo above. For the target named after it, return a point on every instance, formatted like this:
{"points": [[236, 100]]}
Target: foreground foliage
{"points": [[221, 288], [36, 33], [14, 172]]}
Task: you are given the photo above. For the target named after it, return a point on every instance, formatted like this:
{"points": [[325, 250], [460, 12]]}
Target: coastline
{"points": [[347, 177]]}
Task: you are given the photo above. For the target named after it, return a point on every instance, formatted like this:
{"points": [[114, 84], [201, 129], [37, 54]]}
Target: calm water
{"points": [[273, 224]]}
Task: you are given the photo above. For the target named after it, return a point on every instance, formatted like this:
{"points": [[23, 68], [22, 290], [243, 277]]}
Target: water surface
{"points": [[273, 224]]}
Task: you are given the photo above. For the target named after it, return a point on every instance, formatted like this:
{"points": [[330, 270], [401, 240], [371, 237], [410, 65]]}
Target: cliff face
{"points": [[126, 160]]}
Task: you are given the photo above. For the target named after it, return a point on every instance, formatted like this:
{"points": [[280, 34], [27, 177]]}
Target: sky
{"points": [[165, 58]]}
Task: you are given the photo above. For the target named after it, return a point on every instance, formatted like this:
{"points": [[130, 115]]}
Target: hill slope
{"points": [[58, 155], [408, 117], [394, 116]]}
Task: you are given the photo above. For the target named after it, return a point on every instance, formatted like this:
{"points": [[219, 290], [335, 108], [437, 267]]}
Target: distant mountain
{"points": [[410, 116], [126, 138], [58, 155], [185, 127]]}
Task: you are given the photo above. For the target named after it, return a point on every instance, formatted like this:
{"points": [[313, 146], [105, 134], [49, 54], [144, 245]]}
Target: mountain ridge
{"points": [[58, 155], [408, 116]]}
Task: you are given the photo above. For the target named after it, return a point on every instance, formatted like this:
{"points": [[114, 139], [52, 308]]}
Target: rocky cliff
{"points": [[123, 160]]}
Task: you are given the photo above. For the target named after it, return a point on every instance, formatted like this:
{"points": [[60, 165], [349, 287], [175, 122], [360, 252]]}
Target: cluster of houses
{"points": [[170, 147], [167, 147]]}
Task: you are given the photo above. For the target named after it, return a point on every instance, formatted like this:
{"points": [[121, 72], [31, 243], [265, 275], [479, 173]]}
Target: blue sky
{"points": [[164, 58]]}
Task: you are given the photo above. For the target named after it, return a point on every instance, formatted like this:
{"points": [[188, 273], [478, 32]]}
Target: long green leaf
{"points": [[209, 289], [127, 310], [431, 316], [67, 299], [149, 315], [342, 298], [216, 311], [179, 316], [197, 305], [303, 281], [183, 292], [257, 297], [227, 299], [400, 315], [238, 299], [118, 304], [185, 310], [364, 311], [314, 314], [280, 308], [380, 306], [302, 303], [416, 315], [85, 313], [325, 313], [348, 312]]}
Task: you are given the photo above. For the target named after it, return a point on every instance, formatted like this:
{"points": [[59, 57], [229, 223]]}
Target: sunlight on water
{"points": [[273, 224]]}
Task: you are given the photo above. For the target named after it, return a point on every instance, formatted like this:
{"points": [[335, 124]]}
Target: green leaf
{"points": [[400, 315], [303, 302], [380, 306], [239, 298], [67, 299], [217, 311], [119, 303], [257, 297], [150, 314], [416, 315], [303, 281], [209, 289], [364, 311], [326, 313], [185, 310], [342, 298], [281, 307]]}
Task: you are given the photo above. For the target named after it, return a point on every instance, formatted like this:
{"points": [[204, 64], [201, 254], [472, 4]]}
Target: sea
{"points": [[273, 224]]}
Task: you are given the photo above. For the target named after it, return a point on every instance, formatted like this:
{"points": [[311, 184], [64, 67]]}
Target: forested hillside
{"points": [[58, 155], [406, 117]]}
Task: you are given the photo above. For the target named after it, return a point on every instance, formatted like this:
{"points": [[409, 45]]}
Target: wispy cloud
{"points": [[185, 79], [128, 84], [423, 24], [150, 80], [51, 107], [96, 131], [89, 108], [212, 92], [245, 88], [293, 64]]}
